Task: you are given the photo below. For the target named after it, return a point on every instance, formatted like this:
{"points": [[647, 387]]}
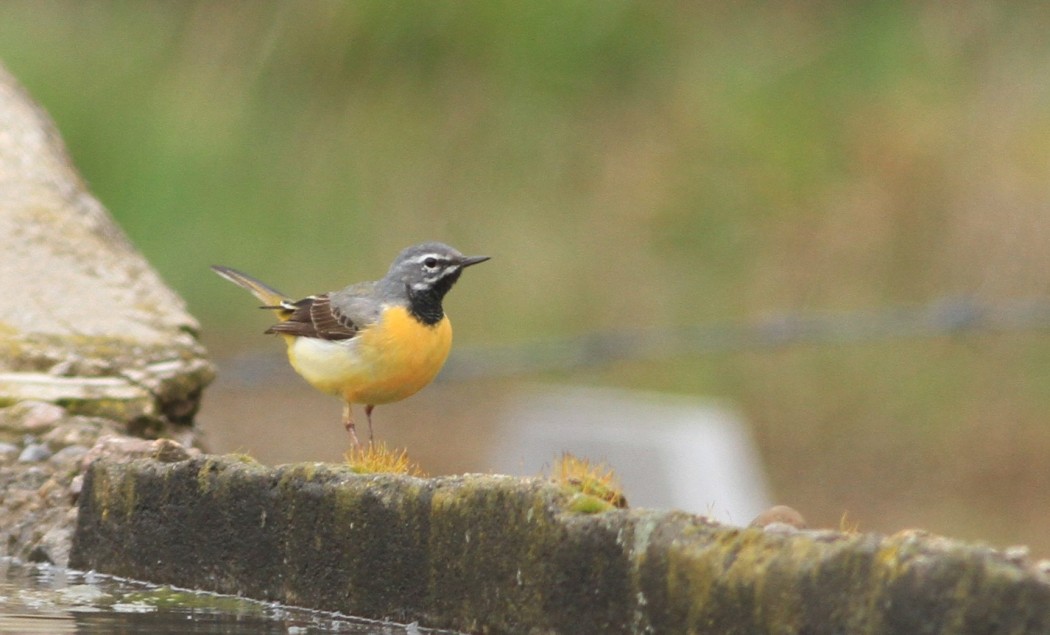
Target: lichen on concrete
{"points": [[496, 554]]}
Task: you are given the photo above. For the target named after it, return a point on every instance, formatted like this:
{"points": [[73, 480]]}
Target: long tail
{"points": [[270, 297]]}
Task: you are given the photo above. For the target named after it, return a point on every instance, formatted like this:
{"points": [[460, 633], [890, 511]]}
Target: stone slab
{"points": [[498, 554]]}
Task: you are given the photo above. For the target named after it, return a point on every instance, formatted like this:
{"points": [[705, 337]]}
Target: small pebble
{"points": [[779, 514], [1017, 554], [76, 486], [69, 454], [31, 416], [34, 453], [77, 431], [777, 527], [42, 415], [8, 452]]}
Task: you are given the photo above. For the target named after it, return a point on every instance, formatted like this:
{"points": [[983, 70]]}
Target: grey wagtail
{"points": [[371, 342]]}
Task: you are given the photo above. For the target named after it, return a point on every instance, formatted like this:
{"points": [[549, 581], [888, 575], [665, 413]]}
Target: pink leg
{"points": [[348, 423]]}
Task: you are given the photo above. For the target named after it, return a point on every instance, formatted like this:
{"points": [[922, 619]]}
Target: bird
{"points": [[369, 343]]}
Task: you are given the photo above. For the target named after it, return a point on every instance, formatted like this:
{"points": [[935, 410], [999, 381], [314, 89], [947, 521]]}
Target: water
{"points": [[47, 599]]}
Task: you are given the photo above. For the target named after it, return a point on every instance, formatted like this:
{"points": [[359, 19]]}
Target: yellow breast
{"points": [[388, 361]]}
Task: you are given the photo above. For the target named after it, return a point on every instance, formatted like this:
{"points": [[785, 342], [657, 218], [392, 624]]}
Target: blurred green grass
{"points": [[627, 164]]}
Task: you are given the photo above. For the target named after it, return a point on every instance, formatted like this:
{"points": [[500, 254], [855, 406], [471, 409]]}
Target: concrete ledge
{"points": [[496, 554]]}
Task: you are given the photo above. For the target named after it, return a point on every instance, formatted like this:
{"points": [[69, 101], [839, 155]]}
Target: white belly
{"points": [[327, 365]]}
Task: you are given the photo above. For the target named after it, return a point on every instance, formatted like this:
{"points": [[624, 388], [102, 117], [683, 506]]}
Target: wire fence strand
{"points": [[939, 318], [943, 317]]}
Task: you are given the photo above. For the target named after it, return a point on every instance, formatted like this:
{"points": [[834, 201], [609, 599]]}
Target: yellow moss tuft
{"points": [[591, 479], [587, 504], [375, 458], [847, 525], [243, 457]]}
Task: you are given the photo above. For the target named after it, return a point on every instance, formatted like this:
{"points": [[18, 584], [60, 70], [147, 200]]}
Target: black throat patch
{"points": [[425, 307], [425, 304]]}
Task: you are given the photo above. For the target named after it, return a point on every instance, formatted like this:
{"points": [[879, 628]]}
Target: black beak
{"points": [[472, 260]]}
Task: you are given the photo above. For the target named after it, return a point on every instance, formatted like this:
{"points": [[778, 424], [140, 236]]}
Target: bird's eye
{"points": [[430, 263]]}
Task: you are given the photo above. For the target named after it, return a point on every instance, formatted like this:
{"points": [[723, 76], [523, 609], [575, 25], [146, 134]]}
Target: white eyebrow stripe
{"points": [[432, 278]]}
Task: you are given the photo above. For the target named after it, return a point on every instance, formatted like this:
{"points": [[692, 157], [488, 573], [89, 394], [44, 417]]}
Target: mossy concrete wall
{"points": [[494, 554]]}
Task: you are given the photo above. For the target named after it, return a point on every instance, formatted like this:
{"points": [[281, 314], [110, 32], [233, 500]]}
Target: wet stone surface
{"points": [[48, 599]]}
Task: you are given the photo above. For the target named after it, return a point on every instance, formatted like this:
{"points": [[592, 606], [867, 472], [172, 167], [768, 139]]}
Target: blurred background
{"points": [[632, 167]]}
